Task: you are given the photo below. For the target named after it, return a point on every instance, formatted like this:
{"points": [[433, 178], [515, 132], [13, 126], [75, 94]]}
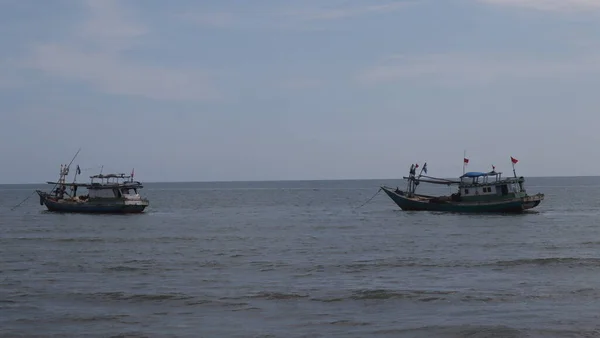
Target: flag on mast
{"points": [[514, 161]]}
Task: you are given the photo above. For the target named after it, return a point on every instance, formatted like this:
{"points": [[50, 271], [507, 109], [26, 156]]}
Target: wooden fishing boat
{"points": [[478, 192], [106, 194]]}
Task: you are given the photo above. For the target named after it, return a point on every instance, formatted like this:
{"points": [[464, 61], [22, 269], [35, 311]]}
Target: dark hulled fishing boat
{"points": [[477, 192], [110, 194]]}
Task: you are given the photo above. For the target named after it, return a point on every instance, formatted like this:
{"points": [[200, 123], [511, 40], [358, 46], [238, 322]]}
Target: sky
{"points": [[228, 90]]}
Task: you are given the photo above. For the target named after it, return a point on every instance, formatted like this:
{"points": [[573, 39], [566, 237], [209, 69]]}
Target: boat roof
{"points": [[473, 174], [110, 176], [480, 174], [95, 185], [434, 180]]}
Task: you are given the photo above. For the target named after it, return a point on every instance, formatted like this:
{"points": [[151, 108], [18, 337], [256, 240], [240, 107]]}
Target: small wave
{"points": [[432, 296], [198, 302], [121, 268], [134, 265], [78, 239], [246, 309], [176, 238], [210, 264], [425, 296], [477, 331], [585, 292], [76, 318], [130, 335], [121, 296], [349, 323], [570, 261], [276, 296]]}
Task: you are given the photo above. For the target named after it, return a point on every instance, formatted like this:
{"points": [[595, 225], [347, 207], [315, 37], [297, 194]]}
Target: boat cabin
{"points": [[112, 191], [110, 186], [489, 184]]}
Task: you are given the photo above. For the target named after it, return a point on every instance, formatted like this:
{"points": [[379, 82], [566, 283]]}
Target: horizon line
{"points": [[299, 180]]}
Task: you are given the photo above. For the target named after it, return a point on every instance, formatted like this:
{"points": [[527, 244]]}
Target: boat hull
{"points": [[513, 205], [92, 207]]}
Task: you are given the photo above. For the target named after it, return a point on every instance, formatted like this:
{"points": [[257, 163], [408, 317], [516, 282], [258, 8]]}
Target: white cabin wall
{"points": [[102, 193]]}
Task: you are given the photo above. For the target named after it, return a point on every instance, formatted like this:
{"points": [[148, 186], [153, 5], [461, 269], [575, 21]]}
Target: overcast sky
{"points": [[312, 89]]}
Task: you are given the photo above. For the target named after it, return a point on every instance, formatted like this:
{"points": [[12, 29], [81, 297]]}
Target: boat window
{"points": [[466, 191], [101, 193]]}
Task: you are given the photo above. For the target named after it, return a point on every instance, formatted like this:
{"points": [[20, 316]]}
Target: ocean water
{"points": [[301, 259]]}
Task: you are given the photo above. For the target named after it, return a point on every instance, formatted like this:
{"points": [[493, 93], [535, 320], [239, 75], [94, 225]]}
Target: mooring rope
{"points": [[23, 201], [369, 200]]}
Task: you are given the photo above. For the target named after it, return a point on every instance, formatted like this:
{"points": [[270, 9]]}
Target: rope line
{"points": [[23, 201], [369, 200]]}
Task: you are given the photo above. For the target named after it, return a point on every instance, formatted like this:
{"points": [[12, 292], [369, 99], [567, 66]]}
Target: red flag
{"points": [[416, 165], [493, 167], [132, 172], [466, 160], [514, 160]]}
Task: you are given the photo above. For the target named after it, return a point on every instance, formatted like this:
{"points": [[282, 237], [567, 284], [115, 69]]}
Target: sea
{"points": [[301, 259]]}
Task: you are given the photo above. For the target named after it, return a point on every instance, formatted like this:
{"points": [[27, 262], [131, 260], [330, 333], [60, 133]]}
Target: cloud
{"points": [[465, 69], [94, 55], [343, 12], [217, 19], [9, 76], [549, 5], [291, 16], [108, 23], [300, 83]]}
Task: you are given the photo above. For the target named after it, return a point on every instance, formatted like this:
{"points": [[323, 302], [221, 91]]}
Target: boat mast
{"points": [[464, 160], [64, 171], [412, 184], [513, 161], [62, 179]]}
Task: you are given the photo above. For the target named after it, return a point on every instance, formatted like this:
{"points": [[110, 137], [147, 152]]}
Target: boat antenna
{"points": [[74, 157], [423, 168]]}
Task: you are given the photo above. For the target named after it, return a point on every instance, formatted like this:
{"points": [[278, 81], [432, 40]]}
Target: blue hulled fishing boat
{"points": [[106, 194], [476, 192]]}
